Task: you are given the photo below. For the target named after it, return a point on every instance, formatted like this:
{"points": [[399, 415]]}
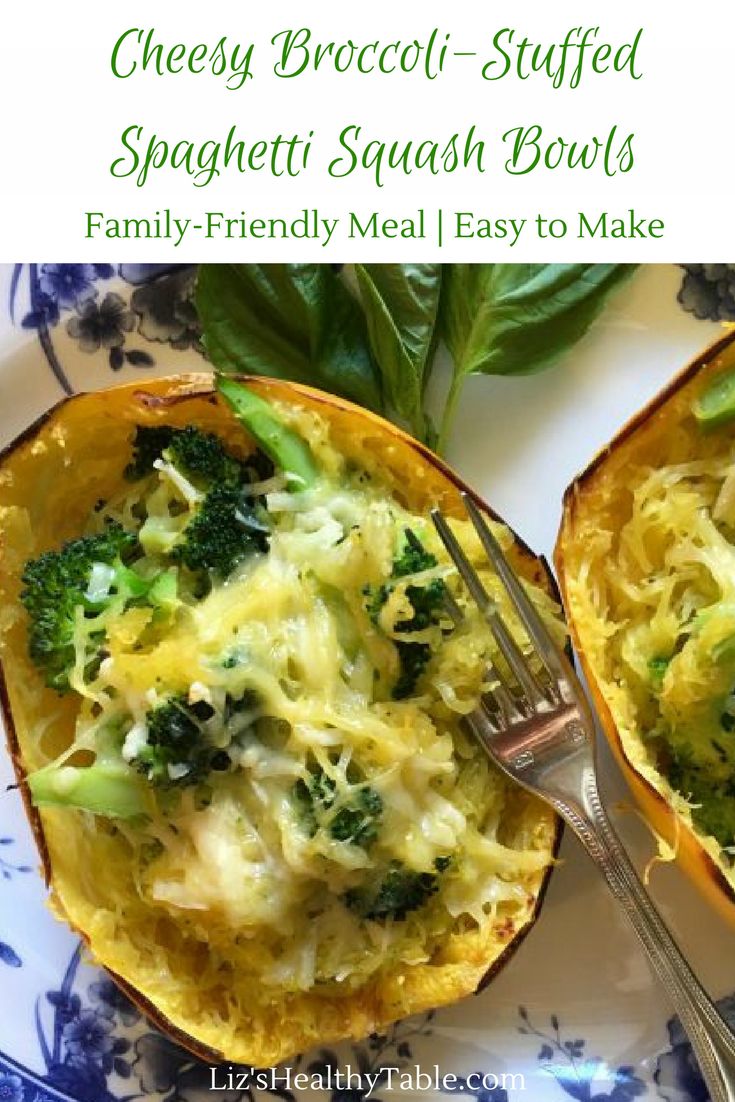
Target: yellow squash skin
{"points": [[599, 498], [50, 478]]}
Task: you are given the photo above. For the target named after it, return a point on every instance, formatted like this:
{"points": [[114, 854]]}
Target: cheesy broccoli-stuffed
{"points": [[237, 705], [646, 557]]}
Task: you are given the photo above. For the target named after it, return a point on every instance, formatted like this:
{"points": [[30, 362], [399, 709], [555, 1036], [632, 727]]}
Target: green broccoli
{"points": [[104, 788], [413, 558], [413, 659], [715, 798], [358, 822], [59, 582], [164, 591], [224, 531], [313, 796], [201, 456], [426, 602], [399, 892], [355, 820], [286, 448], [177, 752], [149, 444], [376, 596], [226, 528]]}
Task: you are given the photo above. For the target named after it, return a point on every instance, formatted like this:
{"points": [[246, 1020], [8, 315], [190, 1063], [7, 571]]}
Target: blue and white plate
{"points": [[576, 1014]]}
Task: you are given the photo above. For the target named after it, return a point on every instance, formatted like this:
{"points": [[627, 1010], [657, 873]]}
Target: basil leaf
{"points": [[507, 319], [401, 303], [512, 319], [291, 321]]}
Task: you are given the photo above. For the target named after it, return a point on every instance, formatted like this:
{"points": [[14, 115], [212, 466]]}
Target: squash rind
{"points": [[656, 417], [159, 398]]}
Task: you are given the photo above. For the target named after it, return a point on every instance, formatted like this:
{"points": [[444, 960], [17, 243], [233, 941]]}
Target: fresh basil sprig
{"points": [[302, 322], [292, 321], [514, 319], [401, 303]]}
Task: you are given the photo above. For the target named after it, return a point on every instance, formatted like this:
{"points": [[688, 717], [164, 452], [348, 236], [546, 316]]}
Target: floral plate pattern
{"points": [[577, 1014]]}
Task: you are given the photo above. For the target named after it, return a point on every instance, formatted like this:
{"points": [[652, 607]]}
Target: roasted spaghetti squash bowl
{"points": [[646, 564], [247, 774]]}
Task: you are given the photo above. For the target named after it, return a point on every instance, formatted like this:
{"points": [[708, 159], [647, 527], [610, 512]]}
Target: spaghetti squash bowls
{"points": [[235, 707], [646, 561]]}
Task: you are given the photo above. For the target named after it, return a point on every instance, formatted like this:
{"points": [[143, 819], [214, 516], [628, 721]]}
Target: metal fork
{"points": [[537, 726]]}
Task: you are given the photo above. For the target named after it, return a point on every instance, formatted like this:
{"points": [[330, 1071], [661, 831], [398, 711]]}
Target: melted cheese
{"points": [[651, 583], [291, 626]]}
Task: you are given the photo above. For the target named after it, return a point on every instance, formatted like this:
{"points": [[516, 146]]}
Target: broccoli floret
{"points": [[426, 602], [399, 892], [202, 456], [226, 528], [376, 598], [149, 443], [715, 813], [224, 531], [413, 558], [312, 797], [176, 739], [57, 583], [356, 820], [199, 455], [176, 754], [284, 446], [104, 788], [163, 593], [413, 659]]}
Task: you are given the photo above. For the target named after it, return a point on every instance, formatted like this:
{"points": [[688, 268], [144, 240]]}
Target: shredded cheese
{"points": [[289, 633]]}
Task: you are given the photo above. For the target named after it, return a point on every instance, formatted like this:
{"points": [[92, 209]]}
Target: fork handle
{"points": [[711, 1038]]}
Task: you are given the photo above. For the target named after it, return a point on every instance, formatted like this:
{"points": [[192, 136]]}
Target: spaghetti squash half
{"points": [[235, 704], [646, 561]]}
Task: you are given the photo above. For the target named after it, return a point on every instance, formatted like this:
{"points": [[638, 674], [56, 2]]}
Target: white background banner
{"points": [[498, 142]]}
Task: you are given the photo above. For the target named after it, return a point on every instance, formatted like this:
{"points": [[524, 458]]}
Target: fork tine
{"points": [[508, 705], [529, 617], [507, 644], [501, 691], [452, 608]]}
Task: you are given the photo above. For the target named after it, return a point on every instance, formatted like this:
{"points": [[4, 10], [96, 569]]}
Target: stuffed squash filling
{"points": [[254, 721], [653, 586]]}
